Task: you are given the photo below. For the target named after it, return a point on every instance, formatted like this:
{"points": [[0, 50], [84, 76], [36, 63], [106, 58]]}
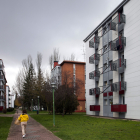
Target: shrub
{"points": [[4, 111], [10, 109]]}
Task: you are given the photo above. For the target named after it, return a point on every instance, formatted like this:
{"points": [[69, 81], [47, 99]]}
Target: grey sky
{"points": [[31, 26]]}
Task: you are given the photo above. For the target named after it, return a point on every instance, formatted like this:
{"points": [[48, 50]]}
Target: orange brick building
{"points": [[76, 70]]}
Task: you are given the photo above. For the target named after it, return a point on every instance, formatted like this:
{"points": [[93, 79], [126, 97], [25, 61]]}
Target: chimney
{"points": [[55, 63]]}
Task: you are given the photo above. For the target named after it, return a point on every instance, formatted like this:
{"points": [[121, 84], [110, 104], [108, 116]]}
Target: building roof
{"points": [[74, 62], [106, 19]]}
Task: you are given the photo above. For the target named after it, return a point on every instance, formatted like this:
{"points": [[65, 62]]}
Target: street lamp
{"points": [[38, 105], [32, 104], [53, 86]]}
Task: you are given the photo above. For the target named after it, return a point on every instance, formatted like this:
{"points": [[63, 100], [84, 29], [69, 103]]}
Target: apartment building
{"points": [[113, 64], [76, 70], [2, 86], [11, 100], [7, 96]]}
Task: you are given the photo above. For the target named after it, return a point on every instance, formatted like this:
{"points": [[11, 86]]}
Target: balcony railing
{"points": [[94, 107], [91, 75], [113, 26], [118, 86], [118, 44], [91, 44], [91, 59], [120, 18], [119, 108], [118, 63], [94, 91]]}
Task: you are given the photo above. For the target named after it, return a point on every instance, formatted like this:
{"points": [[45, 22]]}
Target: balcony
{"points": [[118, 44], [91, 59], [120, 63], [91, 75], [94, 107], [94, 91], [91, 44], [118, 86], [120, 18], [119, 108], [112, 25]]}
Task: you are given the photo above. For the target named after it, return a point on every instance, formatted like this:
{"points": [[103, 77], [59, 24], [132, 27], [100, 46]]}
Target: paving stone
{"points": [[35, 131]]}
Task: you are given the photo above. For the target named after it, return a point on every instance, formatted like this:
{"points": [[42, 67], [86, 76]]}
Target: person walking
{"points": [[23, 118]]}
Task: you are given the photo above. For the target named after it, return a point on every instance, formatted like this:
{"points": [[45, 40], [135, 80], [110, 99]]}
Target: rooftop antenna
{"points": [[84, 53]]}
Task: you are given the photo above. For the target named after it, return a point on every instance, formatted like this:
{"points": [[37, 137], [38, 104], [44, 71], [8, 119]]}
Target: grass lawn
{"points": [[5, 123], [81, 127]]}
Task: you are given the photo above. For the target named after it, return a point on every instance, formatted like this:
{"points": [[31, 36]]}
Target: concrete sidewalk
{"points": [[34, 130]]}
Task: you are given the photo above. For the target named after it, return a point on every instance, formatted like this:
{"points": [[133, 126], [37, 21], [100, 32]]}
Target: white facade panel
{"points": [[132, 55], [90, 83]]}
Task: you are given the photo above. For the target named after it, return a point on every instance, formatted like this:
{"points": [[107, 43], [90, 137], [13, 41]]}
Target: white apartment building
{"points": [[11, 101], [56, 72], [7, 96], [2, 86], [113, 64]]}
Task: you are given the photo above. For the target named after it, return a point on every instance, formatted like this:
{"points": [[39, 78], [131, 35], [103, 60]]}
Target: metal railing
{"points": [[118, 44]]}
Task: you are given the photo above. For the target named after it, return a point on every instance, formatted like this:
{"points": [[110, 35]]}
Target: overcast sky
{"points": [[32, 26]]}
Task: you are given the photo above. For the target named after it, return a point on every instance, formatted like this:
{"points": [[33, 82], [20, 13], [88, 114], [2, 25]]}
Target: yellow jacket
{"points": [[23, 118]]}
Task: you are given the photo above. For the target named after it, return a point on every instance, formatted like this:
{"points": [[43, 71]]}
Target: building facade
{"points": [[11, 100], [113, 64], [2, 86], [76, 70], [7, 96]]}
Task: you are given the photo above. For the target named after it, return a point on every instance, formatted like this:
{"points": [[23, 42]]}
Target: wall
{"points": [[90, 83], [132, 55]]}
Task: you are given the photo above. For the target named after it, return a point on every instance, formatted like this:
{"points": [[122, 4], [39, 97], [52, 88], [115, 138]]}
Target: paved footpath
{"points": [[34, 130]]}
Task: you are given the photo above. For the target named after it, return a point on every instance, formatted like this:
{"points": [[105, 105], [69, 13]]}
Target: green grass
{"points": [[12, 112], [34, 112], [81, 127], [5, 123]]}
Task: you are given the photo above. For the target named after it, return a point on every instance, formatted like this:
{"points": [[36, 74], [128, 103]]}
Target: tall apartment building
{"points": [[76, 70], [11, 101], [113, 64], [7, 96], [2, 86]]}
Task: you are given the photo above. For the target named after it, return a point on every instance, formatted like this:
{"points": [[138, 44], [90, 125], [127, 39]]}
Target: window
{"points": [[122, 77], [105, 102], [105, 48], [110, 82], [74, 68], [105, 66], [110, 101], [105, 83]]}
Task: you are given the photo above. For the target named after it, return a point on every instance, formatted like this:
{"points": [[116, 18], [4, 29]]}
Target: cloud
{"points": [[32, 26]]}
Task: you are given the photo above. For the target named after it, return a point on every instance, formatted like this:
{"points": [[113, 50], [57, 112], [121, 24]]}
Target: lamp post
{"points": [[53, 86], [32, 104], [38, 106]]}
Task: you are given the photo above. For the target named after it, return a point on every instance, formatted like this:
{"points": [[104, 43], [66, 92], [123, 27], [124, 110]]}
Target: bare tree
{"points": [[72, 57], [54, 57]]}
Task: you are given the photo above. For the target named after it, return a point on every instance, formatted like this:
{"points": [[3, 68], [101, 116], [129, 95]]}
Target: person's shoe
{"points": [[23, 136]]}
